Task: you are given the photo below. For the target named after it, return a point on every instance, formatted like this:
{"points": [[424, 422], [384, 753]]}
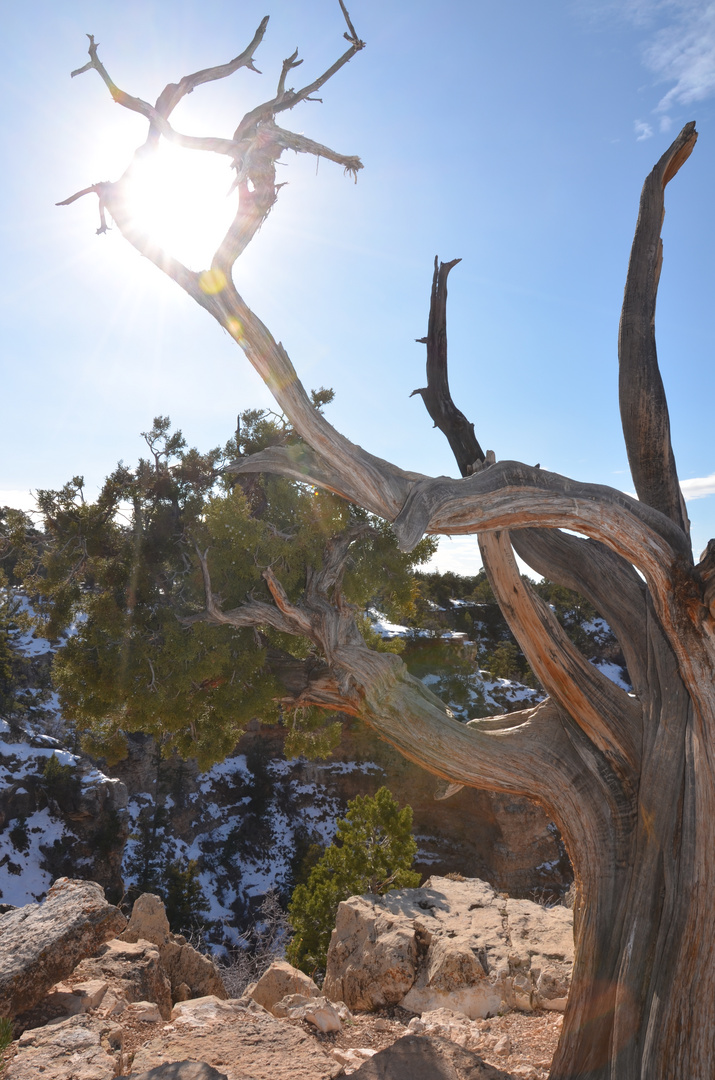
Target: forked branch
{"points": [[436, 395], [254, 148]]}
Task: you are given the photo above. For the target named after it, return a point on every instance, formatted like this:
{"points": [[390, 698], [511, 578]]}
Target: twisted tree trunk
{"points": [[628, 778]]}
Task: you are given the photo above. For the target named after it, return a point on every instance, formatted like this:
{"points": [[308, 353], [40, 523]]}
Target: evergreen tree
{"points": [[372, 852], [183, 895], [123, 574]]}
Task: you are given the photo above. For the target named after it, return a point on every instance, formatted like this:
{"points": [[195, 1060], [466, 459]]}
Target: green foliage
{"points": [[373, 851], [60, 781], [120, 576], [5, 1033], [146, 857], [182, 894]]}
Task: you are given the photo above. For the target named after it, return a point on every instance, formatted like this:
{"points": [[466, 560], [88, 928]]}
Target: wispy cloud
{"points": [[698, 488], [684, 53], [678, 47]]}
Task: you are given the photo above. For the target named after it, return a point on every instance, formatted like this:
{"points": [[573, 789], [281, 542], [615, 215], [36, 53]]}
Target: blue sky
{"points": [[515, 135]]}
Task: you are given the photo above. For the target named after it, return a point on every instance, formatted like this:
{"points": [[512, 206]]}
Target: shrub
{"points": [[372, 852]]}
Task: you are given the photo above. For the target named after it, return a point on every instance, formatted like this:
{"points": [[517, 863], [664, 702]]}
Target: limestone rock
{"points": [[41, 944], [318, 1011], [280, 980], [247, 1043], [422, 1057], [148, 921], [132, 971], [184, 965], [450, 944], [146, 1011], [80, 1048], [373, 955], [208, 1010]]}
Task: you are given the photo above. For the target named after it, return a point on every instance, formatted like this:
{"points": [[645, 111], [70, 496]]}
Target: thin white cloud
{"points": [[698, 488], [678, 48], [684, 53]]}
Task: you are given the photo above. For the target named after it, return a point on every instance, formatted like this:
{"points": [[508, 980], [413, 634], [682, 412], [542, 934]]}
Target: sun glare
{"points": [[179, 197]]}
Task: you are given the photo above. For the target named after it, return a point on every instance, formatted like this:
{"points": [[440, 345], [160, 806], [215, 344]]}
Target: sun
{"points": [[180, 199]]}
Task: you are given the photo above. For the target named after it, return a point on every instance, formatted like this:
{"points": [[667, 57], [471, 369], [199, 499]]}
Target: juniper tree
{"points": [[123, 573], [372, 852], [627, 777]]}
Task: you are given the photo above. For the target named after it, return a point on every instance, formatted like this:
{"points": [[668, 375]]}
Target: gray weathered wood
{"points": [[630, 780]]}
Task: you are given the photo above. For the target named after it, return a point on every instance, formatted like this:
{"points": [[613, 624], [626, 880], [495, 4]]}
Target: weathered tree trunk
{"points": [[628, 778]]}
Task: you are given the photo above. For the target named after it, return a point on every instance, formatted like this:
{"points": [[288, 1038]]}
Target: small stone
{"points": [[503, 1046], [112, 1005], [146, 1011], [319, 1012], [91, 993]]}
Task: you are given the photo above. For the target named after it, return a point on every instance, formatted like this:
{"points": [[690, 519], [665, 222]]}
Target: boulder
{"points": [[179, 1070], [132, 971], [450, 944], [41, 944], [148, 921], [190, 973], [422, 1057], [280, 980], [240, 1041], [80, 1048]]}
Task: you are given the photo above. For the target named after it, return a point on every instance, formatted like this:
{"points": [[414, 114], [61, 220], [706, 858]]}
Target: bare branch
{"points": [[513, 495], [172, 94], [352, 34], [644, 409], [288, 65], [302, 145], [288, 99], [609, 717], [92, 190], [436, 395], [150, 112], [604, 578]]}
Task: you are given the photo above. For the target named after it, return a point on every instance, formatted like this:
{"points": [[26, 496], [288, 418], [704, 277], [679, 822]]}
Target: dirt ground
{"points": [[527, 1053]]}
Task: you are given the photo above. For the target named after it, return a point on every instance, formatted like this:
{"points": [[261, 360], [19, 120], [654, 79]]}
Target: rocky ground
{"points": [[92, 997], [522, 1044]]}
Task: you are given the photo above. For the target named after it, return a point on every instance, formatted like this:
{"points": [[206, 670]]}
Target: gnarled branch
{"points": [[608, 716], [644, 409], [609, 582]]}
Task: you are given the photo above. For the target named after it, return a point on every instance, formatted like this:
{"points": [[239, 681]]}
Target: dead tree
{"points": [[629, 778]]}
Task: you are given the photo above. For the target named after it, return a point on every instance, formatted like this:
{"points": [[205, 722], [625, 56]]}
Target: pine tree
{"points": [[372, 852]]}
